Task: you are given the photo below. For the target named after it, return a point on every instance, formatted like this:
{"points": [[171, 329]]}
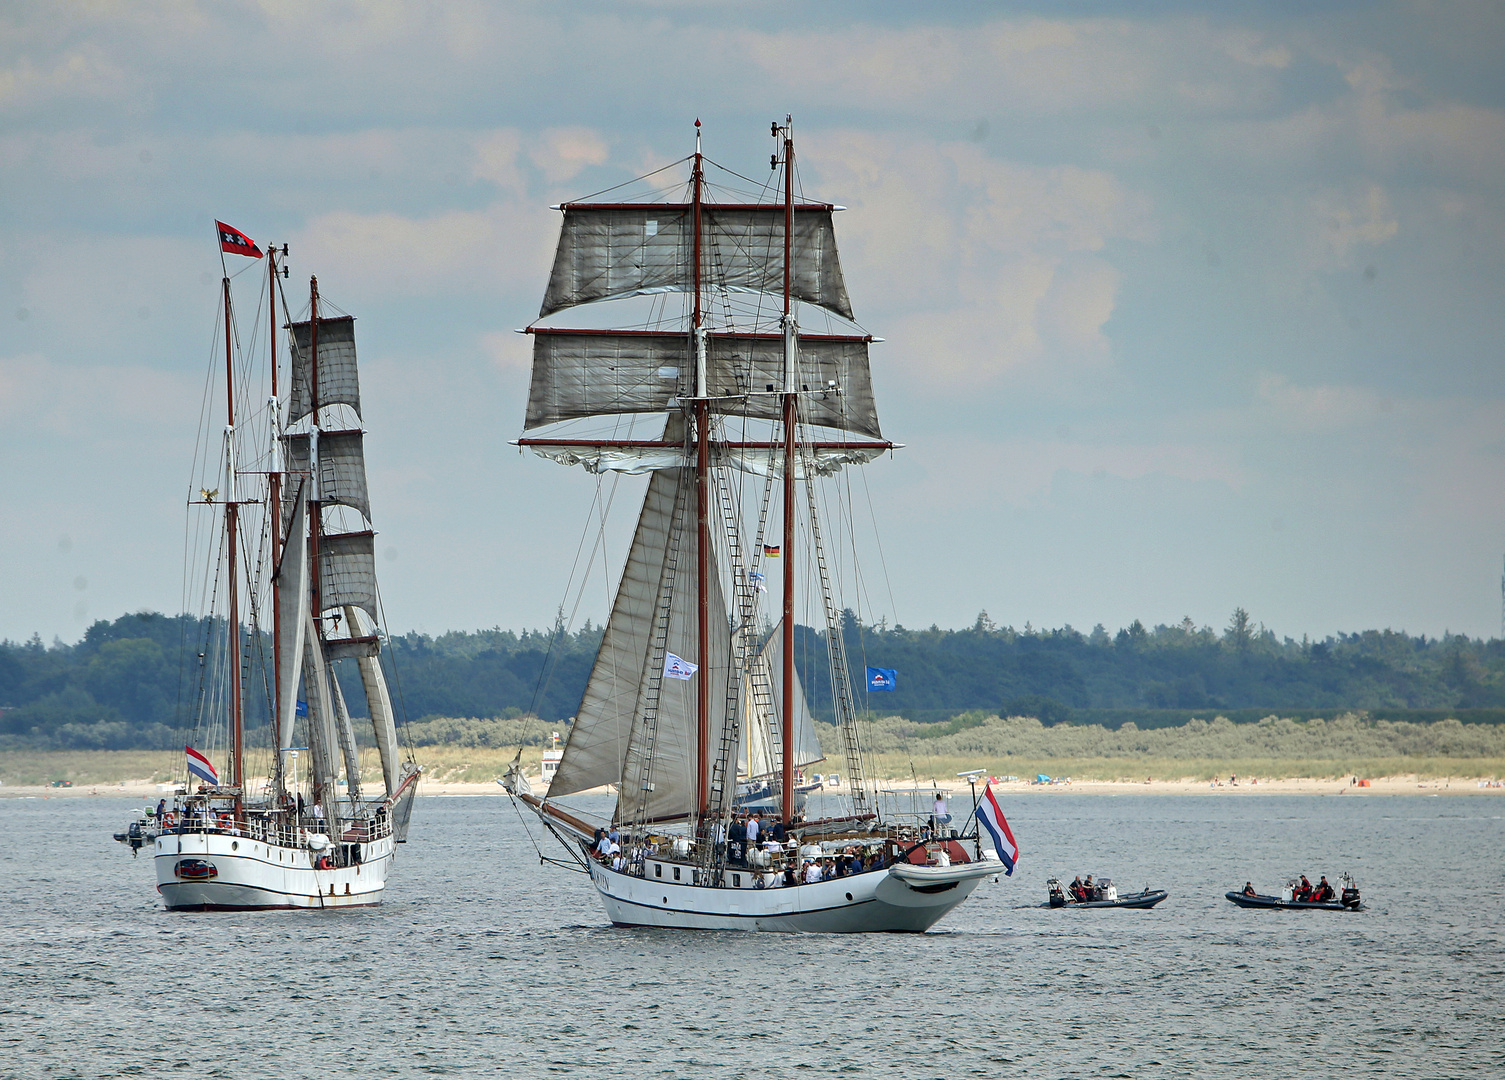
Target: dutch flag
{"points": [[199, 765], [990, 817]]}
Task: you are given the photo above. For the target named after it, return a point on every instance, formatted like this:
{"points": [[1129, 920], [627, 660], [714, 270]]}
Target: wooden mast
{"points": [[274, 506], [786, 776], [331, 812], [313, 443], [702, 514], [232, 513]]}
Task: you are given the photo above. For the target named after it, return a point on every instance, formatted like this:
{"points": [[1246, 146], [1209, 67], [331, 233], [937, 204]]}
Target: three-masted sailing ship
{"points": [[691, 678], [291, 599]]}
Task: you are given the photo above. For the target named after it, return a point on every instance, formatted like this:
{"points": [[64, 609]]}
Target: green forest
{"points": [[134, 683]]}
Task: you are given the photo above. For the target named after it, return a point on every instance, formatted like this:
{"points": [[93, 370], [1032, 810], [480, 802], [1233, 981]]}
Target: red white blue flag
{"points": [[199, 765], [234, 242], [990, 817]]}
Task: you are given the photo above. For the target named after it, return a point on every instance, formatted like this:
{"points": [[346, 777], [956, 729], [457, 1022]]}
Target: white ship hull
{"points": [[250, 874], [902, 899]]}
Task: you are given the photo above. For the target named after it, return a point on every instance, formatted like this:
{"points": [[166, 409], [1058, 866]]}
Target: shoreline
{"points": [[1389, 785]]}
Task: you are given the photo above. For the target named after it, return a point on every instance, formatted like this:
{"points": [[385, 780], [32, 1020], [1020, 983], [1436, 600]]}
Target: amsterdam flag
{"points": [[235, 242]]}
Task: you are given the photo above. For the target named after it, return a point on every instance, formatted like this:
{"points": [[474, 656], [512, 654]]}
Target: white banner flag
{"points": [[675, 668]]}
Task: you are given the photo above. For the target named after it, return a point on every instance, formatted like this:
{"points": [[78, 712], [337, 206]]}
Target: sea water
{"points": [[483, 961]]}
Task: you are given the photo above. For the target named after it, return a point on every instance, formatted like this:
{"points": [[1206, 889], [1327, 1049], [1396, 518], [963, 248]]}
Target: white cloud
{"points": [[1318, 408], [502, 246], [562, 152], [1348, 225], [979, 266]]}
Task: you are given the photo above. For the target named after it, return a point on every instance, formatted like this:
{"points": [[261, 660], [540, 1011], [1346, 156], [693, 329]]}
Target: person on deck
{"points": [[1304, 890], [1077, 892], [1249, 889], [778, 832], [738, 838], [753, 824], [1324, 893], [812, 872], [1087, 889]]}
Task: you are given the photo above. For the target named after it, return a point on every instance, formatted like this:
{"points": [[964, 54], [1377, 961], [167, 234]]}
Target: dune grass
{"points": [[1273, 748]]}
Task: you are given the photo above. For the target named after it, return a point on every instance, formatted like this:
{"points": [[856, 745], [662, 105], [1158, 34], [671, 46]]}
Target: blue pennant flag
{"points": [[881, 678], [302, 709]]}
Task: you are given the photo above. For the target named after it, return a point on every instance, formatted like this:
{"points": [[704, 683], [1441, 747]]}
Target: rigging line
{"points": [[599, 512], [634, 180], [878, 541]]}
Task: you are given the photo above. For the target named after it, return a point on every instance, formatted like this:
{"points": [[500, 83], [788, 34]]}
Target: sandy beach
{"points": [[1390, 785]]}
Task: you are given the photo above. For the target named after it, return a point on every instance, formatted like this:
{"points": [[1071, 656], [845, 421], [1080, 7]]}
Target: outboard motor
{"points": [[1350, 897], [1057, 894]]}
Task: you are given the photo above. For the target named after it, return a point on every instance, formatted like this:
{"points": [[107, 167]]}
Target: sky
{"points": [[1185, 309]]}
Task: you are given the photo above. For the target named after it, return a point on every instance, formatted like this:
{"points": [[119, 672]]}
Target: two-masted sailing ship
{"points": [[693, 675], [290, 600]]}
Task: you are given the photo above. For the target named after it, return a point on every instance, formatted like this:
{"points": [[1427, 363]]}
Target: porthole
{"points": [[666, 899], [234, 845], [849, 896]]}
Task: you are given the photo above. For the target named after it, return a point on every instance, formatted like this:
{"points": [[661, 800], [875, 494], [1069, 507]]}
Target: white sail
{"points": [[608, 251], [323, 740], [762, 734], [293, 596], [338, 381], [579, 373], [347, 571], [658, 774], [597, 745], [635, 726], [346, 732], [378, 700], [342, 467]]}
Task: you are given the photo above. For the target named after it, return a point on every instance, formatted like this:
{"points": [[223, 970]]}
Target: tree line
{"points": [[137, 681]]}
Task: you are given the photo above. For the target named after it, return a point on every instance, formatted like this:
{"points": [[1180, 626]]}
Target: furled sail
{"points": [[347, 571], [339, 383], [759, 461], [342, 465], [608, 251], [762, 735], [580, 373]]}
